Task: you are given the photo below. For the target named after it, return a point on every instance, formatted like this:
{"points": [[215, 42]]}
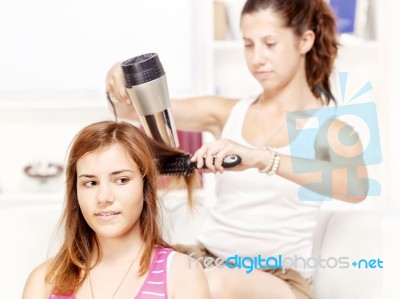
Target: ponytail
{"points": [[320, 59]]}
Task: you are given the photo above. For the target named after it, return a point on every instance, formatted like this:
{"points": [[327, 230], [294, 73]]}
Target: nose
{"points": [[104, 194], [259, 56]]}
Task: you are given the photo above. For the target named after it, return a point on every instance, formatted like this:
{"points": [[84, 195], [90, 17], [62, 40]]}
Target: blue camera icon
{"points": [[309, 129]]}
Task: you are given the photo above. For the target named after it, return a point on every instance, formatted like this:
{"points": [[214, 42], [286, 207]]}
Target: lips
{"points": [[106, 213], [263, 74]]}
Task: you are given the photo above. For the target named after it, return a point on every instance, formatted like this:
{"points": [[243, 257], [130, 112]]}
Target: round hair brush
{"points": [[181, 164]]}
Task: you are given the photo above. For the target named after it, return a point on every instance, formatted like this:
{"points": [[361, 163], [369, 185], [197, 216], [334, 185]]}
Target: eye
{"points": [[248, 45], [269, 45], [89, 184], [122, 181]]}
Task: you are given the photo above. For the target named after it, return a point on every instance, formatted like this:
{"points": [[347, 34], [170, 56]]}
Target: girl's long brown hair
{"points": [[303, 15], [69, 268]]}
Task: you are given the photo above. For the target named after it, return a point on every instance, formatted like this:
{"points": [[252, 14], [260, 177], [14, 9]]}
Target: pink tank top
{"points": [[155, 284]]}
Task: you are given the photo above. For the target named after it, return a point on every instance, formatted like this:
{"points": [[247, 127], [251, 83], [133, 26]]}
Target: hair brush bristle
{"points": [[181, 164]]}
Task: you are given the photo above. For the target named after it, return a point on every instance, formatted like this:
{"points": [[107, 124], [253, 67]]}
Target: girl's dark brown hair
{"points": [[70, 266], [303, 15]]}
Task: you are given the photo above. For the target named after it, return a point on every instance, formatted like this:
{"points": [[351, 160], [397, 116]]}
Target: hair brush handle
{"points": [[228, 162], [182, 165]]}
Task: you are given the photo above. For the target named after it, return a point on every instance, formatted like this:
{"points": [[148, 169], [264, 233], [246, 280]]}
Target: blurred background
{"points": [[54, 56]]}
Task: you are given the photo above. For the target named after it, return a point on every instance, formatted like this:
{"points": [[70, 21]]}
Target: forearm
{"points": [[340, 181], [343, 182]]}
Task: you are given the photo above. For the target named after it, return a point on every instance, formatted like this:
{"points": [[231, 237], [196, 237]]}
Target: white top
{"points": [[256, 214]]}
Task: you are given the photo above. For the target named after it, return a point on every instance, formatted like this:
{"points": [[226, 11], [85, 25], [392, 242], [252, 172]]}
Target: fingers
{"points": [[115, 84], [198, 157], [218, 159], [211, 155]]}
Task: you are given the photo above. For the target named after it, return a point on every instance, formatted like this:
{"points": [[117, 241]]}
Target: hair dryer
{"points": [[146, 84]]}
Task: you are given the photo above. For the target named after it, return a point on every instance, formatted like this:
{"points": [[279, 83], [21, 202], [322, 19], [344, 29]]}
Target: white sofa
{"points": [[354, 235], [366, 234], [27, 238]]}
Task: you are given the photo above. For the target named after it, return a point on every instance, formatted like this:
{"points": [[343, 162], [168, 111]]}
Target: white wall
{"points": [[391, 98], [53, 64], [50, 46], [36, 133]]}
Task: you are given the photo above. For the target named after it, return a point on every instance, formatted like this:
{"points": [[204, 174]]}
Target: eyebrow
{"points": [[262, 37], [111, 174]]}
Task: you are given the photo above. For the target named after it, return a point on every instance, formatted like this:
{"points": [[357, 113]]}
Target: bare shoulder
{"points": [[340, 140], [187, 280], [36, 286]]}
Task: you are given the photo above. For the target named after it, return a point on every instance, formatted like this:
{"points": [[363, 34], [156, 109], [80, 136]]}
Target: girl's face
{"points": [[272, 51], [110, 192]]}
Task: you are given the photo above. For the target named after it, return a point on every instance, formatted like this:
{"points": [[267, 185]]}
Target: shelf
{"points": [[52, 99], [53, 112], [21, 199]]}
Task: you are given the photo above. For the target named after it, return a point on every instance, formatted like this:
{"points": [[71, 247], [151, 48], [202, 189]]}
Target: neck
{"points": [[111, 264], [292, 96], [118, 249]]}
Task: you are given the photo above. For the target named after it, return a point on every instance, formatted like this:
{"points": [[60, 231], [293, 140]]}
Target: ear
{"points": [[306, 41]]}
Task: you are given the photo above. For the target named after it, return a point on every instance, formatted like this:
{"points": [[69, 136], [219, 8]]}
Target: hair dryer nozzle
{"points": [[142, 69], [146, 84]]}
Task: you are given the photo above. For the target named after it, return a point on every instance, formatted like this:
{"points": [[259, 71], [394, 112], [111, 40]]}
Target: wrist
{"points": [[263, 159], [271, 164]]}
